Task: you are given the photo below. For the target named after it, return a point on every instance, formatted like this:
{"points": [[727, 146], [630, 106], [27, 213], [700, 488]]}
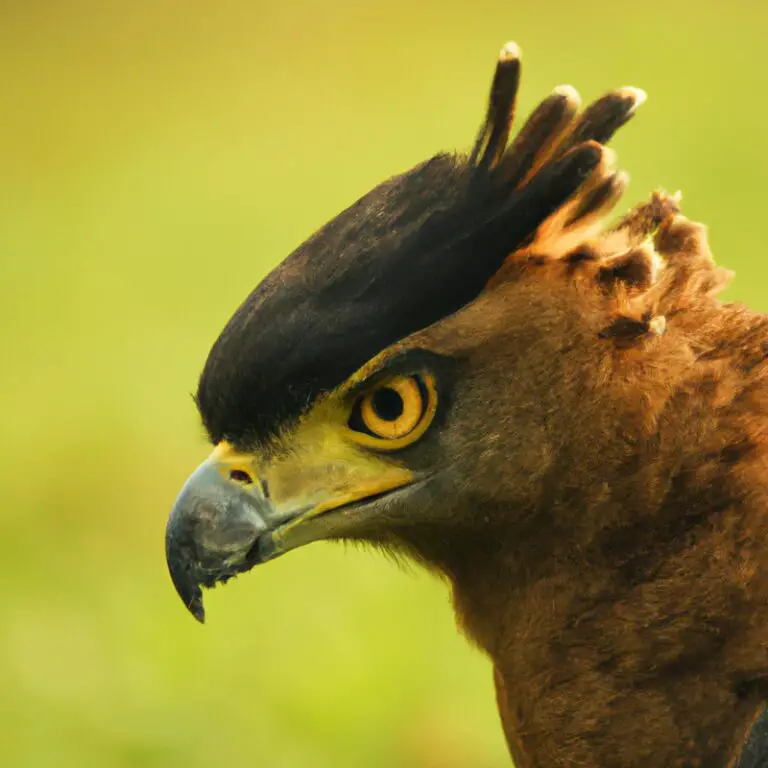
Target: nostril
{"points": [[240, 476]]}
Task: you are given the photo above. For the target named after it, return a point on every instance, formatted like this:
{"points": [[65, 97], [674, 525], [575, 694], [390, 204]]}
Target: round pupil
{"points": [[387, 404]]}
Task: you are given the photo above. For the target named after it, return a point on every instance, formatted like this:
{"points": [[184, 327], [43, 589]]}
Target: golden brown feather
{"points": [[625, 605], [593, 477]]}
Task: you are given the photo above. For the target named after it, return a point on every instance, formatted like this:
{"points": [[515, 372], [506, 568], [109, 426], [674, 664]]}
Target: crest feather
{"points": [[414, 250]]}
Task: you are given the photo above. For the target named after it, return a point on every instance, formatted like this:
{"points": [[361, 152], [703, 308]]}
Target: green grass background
{"points": [[157, 158]]}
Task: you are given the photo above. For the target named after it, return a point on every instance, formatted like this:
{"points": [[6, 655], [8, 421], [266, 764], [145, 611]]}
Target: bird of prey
{"points": [[470, 366]]}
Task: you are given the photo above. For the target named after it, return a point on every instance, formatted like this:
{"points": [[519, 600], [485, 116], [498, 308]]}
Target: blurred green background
{"points": [[157, 158]]}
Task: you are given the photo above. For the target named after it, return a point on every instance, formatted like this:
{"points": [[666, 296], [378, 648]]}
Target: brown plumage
{"points": [[625, 605], [595, 482]]}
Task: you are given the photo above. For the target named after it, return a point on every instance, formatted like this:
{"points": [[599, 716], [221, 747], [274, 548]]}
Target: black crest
{"points": [[412, 251]]}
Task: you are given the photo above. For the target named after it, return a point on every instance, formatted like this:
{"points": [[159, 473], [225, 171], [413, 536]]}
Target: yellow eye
{"points": [[394, 414], [393, 410]]}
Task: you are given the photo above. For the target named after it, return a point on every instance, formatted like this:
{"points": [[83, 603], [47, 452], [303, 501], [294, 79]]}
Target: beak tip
{"points": [[186, 584], [192, 597], [197, 610]]}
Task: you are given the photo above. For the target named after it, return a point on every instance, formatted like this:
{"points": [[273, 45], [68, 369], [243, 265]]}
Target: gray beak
{"points": [[212, 533]]}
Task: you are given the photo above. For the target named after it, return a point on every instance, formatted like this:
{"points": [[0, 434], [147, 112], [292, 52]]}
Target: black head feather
{"points": [[412, 251]]}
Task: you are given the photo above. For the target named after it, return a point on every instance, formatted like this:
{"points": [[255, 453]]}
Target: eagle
{"points": [[477, 367]]}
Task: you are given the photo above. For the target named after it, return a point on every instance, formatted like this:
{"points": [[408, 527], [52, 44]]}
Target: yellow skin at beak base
{"points": [[312, 470]]}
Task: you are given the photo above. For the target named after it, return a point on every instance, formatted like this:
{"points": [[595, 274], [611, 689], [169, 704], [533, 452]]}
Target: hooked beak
{"points": [[224, 522], [212, 533]]}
